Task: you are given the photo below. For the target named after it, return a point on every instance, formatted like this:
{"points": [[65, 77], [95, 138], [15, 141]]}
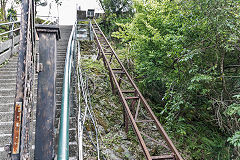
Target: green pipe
{"points": [[63, 142]]}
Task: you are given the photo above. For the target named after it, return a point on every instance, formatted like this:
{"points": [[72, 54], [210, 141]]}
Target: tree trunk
{"points": [[3, 9]]}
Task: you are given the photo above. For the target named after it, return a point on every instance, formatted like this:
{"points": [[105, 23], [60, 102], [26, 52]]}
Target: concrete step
{"points": [[8, 116], [7, 99], [7, 81], [7, 76], [10, 67], [73, 149], [73, 112], [5, 138], [5, 68], [10, 92], [72, 121], [3, 154], [8, 86], [12, 63], [5, 117], [8, 107], [61, 64], [7, 72], [61, 59], [61, 56], [6, 128]]}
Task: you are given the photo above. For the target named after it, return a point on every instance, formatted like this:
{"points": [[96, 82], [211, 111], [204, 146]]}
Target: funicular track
{"points": [[136, 109]]}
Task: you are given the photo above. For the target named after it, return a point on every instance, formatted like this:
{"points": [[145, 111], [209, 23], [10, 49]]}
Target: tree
{"points": [[187, 54], [118, 7]]}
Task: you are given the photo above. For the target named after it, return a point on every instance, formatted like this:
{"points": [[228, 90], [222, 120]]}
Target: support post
{"points": [[46, 103], [20, 82]]}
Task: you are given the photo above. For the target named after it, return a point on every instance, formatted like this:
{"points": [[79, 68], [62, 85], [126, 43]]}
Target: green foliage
{"points": [[234, 112], [116, 11], [39, 20], [186, 53], [233, 109], [118, 7], [12, 14], [235, 139], [44, 2]]}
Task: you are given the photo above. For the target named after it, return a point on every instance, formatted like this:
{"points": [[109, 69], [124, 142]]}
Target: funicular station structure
{"points": [[40, 74]]}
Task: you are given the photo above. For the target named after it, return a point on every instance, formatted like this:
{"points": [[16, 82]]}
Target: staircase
{"points": [[61, 54], [8, 74], [7, 94]]}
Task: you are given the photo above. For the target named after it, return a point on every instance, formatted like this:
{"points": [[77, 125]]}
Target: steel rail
{"points": [[143, 145], [7, 23], [14, 30], [97, 30], [63, 143]]}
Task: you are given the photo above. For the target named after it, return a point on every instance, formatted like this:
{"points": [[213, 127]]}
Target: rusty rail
{"points": [[133, 101]]}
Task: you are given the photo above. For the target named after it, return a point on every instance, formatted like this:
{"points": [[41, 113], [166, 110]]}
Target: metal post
{"points": [[46, 103], [90, 31], [20, 80], [12, 35]]}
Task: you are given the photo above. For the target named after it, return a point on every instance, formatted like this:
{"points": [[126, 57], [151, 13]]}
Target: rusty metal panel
{"points": [[17, 127]]}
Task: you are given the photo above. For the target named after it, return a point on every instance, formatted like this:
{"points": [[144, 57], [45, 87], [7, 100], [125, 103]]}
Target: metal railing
{"points": [[63, 142], [49, 20], [12, 25], [9, 47]]}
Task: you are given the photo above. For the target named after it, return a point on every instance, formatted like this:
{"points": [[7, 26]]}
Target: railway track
{"points": [[136, 109]]}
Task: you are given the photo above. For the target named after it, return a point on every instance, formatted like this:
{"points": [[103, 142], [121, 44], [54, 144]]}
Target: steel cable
{"points": [[86, 111]]}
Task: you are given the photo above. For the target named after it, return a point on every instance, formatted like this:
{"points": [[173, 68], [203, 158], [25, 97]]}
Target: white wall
{"points": [[67, 11], [90, 4]]}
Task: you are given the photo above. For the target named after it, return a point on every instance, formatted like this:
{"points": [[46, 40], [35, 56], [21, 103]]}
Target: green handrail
{"points": [[63, 142]]}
